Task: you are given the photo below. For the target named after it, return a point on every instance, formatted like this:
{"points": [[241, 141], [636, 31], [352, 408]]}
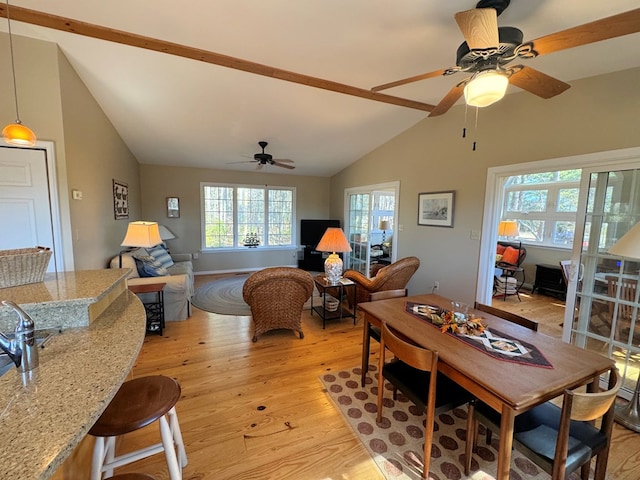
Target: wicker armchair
{"points": [[276, 296], [392, 277]]}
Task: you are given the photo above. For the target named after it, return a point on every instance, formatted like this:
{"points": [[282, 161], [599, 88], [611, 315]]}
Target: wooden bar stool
{"points": [[139, 403]]}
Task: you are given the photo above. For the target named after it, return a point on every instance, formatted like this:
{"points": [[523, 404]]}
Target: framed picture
{"points": [[173, 207], [120, 200], [436, 209]]}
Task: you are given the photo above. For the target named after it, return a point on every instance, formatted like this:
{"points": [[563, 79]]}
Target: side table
{"points": [[153, 305], [325, 288]]}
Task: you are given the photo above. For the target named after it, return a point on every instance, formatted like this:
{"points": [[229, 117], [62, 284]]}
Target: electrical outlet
{"points": [[436, 286], [196, 255]]}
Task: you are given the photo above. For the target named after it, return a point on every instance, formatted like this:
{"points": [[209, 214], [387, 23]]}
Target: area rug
{"points": [[396, 444], [224, 296]]}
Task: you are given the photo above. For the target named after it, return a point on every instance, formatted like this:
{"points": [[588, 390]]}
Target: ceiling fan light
{"points": [[19, 135], [486, 88]]}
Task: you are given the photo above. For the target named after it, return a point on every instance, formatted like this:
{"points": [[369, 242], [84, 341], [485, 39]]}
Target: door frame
{"points": [[58, 207], [496, 177]]}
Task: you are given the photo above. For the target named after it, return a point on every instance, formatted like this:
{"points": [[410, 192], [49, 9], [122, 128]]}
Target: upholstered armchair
{"points": [[391, 277], [276, 296]]}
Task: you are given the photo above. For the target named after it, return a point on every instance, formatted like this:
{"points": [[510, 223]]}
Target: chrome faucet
{"points": [[22, 348]]}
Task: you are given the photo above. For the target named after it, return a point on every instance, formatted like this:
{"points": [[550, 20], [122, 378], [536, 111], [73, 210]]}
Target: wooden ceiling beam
{"points": [[35, 17]]}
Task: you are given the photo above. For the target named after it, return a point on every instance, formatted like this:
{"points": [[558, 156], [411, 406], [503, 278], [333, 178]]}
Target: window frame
{"points": [[237, 245], [550, 216]]}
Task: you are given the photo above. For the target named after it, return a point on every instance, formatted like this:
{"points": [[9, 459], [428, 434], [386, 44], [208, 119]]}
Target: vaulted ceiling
{"points": [[172, 110]]}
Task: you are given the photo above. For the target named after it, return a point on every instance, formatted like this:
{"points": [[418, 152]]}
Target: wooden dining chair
{"points": [[625, 310], [479, 411], [414, 371], [374, 332], [565, 439]]}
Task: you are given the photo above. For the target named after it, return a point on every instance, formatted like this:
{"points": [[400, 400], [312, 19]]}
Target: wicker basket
{"points": [[23, 265]]}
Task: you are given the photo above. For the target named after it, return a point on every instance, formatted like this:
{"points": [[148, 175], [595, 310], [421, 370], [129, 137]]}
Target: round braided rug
{"points": [[222, 296]]}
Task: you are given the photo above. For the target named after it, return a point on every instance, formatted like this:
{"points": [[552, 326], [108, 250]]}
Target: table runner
{"points": [[492, 342]]}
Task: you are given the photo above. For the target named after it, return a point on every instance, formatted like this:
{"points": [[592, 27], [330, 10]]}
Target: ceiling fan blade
{"points": [[610, 27], [538, 83], [285, 160], [404, 81], [245, 161], [284, 165], [479, 26], [448, 101]]}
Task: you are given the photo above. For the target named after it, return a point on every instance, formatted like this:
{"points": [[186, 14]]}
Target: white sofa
{"points": [[179, 284]]}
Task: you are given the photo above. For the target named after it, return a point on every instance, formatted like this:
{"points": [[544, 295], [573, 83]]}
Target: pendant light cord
{"points": [[13, 66]]}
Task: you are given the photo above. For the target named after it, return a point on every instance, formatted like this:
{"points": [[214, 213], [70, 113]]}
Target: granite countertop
{"points": [[44, 417], [62, 299]]}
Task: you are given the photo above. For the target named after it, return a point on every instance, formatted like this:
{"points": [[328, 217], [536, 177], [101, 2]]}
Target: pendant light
{"points": [[16, 133]]}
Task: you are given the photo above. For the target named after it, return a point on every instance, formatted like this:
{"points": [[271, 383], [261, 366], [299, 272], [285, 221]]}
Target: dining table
{"points": [[508, 385]]}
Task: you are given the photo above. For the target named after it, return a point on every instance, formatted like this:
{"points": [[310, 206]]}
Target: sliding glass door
{"points": [[603, 301]]}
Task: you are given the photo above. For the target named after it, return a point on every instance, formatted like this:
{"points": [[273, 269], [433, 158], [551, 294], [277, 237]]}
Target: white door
{"points": [[25, 210]]}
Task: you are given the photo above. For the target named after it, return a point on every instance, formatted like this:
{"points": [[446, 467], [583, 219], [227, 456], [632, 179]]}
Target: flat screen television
{"points": [[311, 231]]}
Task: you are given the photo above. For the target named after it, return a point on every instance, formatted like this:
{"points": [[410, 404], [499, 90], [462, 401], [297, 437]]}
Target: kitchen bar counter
{"points": [[44, 417]]}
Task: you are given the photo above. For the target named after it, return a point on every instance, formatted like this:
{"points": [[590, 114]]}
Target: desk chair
{"points": [[413, 371]]}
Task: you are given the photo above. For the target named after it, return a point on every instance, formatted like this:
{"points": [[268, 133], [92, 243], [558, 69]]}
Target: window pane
{"points": [[527, 201], [280, 217], [568, 200], [570, 175], [563, 233], [251, 214], [218, 216], [531, 230]]}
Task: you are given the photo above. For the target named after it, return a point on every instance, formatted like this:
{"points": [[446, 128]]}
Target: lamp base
{"points": [[629, 415], [333, 269]]}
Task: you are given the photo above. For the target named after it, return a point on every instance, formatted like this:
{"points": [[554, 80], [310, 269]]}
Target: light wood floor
{"points": [[258, 411]]}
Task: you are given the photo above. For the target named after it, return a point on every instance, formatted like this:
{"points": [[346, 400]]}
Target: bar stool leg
{"points": [[175, 472], [177, 437], [97, 459], [110, 455]]}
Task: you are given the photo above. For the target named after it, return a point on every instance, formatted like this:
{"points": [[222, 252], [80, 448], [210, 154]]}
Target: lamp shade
{"points": [[629, 244], [508, 228], [142, 234], [19, 135], [333, 241], [486, 88], [384, 225], [165, 233]]}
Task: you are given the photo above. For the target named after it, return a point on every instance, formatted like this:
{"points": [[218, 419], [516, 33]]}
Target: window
{"points": [[234, 214], [544, 205]]}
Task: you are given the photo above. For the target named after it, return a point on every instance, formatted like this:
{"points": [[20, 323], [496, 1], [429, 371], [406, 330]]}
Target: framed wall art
{"points": [[120, 200], [436, 209], [173, 207]]}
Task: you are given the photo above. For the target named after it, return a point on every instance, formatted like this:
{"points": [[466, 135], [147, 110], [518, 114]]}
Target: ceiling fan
{"points": [[263, 159], [488, 50]]}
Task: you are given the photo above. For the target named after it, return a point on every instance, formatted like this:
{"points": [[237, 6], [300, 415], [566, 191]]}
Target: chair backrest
{"points": [[522, 252], [398, 274], [627, 293], [512, 317], [589, 406], [411, 354], [565, 265], [384, 294]]}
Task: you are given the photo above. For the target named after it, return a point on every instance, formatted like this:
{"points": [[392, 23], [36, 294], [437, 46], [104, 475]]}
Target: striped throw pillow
{"points": [[161, 255]]}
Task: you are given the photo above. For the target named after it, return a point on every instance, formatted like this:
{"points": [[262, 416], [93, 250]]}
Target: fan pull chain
{"points": [[464, 129], [476, 126]]}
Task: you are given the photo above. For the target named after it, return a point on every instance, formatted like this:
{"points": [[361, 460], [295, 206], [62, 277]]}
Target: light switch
{"points": [[475, 234], [76, 194]]}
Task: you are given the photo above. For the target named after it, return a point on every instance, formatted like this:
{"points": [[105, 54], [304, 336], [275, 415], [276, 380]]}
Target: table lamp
{"points": [[140, 234], [384, 225], [333, 241], [509, 228], [629, 415]]}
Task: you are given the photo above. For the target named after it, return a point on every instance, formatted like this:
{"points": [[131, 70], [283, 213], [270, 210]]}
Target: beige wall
{"points": [[159, 182], [596, 114], [55, 103]]}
